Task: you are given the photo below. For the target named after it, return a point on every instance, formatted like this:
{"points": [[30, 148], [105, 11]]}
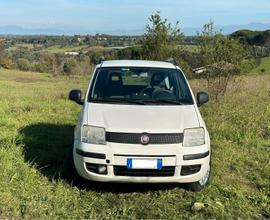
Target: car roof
{"points": [[136, 63]]}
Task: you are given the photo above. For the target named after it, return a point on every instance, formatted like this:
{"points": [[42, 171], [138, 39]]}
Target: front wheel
{"points": [[202, 183]]}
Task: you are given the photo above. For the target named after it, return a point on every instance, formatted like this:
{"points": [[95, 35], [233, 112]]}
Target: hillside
{"points": [[259, 38], [36, 130]]}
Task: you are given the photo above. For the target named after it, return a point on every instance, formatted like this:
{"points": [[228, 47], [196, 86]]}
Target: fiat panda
{"points": [[140, 123]]}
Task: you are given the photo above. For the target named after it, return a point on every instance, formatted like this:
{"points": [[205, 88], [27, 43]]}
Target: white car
{"points": [[140, 123]]}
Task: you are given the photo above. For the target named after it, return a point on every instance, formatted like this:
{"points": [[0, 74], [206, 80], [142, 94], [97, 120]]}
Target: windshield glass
{"points": [[140, 85]]}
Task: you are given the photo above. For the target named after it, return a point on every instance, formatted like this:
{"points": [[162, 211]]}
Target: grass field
{"points": [[36, 129], [15, 47], [83, 48], [264, 66], [61, 49]]}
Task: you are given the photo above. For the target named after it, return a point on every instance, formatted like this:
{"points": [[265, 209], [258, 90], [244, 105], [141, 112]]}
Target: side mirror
{"points": [[76, 96], [202, 97]]}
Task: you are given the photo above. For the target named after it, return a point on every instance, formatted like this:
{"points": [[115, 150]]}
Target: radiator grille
{"points": [[135, 138], [124, 171]]}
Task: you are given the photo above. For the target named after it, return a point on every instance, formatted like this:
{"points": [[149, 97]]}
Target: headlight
{"points": [[93, 135], [193, 137]]}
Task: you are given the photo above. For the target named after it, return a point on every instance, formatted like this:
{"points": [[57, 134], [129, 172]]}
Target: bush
{"points": [[70, 66], [23, 64], [133, 53], [222, 58], [84, 68], [247, 65], [6, 63], [94, 56], [41, 67]]}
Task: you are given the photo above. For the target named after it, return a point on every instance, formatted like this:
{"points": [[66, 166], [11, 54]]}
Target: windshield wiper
{"points": [[171, 101], [105, 100], [164, 101], [135, 101], [138, 101], [114, 100]]}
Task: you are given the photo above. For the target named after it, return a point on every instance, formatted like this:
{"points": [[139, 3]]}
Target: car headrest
{"points": [[156, 79], [115, 78]]}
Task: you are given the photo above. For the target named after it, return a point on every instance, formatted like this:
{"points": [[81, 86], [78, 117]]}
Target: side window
{"points": [[94, 89], [184, 89]]}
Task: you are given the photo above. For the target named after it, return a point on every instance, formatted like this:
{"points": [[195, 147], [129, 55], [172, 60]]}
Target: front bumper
{"points": [[115, 155]]}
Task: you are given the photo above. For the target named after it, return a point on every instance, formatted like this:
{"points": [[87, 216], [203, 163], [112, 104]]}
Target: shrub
{"points": [[247, 65], [130, 53], [94, 56], [221, 57], [48, 62], [41, 67], [23, 64], [6, 63], [84, 68], [70, 66], [262, 70]]}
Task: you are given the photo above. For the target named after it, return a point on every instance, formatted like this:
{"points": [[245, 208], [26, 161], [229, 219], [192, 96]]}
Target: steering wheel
{"points": [[163, 94], [148, 90]]}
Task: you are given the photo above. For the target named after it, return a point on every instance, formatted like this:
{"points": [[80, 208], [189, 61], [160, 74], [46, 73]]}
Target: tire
{"points": [[201, 184]]}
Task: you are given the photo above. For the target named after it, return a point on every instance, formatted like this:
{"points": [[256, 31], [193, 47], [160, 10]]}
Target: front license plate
{"points": [[144, 163]]}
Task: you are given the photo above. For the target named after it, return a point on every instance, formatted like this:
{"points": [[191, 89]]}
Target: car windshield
{"points": [[140, 86]]}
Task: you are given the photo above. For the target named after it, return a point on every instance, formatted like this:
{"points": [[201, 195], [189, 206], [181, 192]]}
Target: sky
{"points": [[113, 15]]}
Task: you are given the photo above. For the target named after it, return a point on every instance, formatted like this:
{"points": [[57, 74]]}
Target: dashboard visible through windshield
{"points": [[140, 85]]}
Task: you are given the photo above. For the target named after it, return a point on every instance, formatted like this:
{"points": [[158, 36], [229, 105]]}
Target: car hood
{"points": [[142, 118]]}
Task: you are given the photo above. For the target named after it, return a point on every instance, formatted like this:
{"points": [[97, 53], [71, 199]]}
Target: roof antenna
{"points": [[101, 60]]}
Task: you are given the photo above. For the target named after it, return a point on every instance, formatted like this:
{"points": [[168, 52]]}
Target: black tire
{"points": [[201, 184]]}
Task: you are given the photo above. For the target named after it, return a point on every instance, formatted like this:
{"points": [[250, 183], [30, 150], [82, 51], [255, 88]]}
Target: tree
{"points": [[160, 38], [221, 57]]}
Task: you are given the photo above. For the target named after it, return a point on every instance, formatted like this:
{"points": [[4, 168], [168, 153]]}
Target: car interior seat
{"points": [[114, 85]]}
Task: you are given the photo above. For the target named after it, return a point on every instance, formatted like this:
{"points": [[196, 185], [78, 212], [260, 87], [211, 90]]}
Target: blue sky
{"points": [[102, 15]]}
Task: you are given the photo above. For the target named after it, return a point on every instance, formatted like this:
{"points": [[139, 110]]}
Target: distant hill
{"points": [[228, 29], [67, 30], [19, 30], [259, 38]]}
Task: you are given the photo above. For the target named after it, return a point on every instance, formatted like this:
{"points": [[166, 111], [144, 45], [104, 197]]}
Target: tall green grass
{"points": [[264, 66], [36, 128]]}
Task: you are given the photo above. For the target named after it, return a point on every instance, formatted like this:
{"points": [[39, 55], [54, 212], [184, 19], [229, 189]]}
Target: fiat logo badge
{"points": [[145, 139]]}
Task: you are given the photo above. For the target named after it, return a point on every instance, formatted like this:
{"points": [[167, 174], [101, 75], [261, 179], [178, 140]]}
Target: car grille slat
{"points": [[124, 171], [135, 138]]}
